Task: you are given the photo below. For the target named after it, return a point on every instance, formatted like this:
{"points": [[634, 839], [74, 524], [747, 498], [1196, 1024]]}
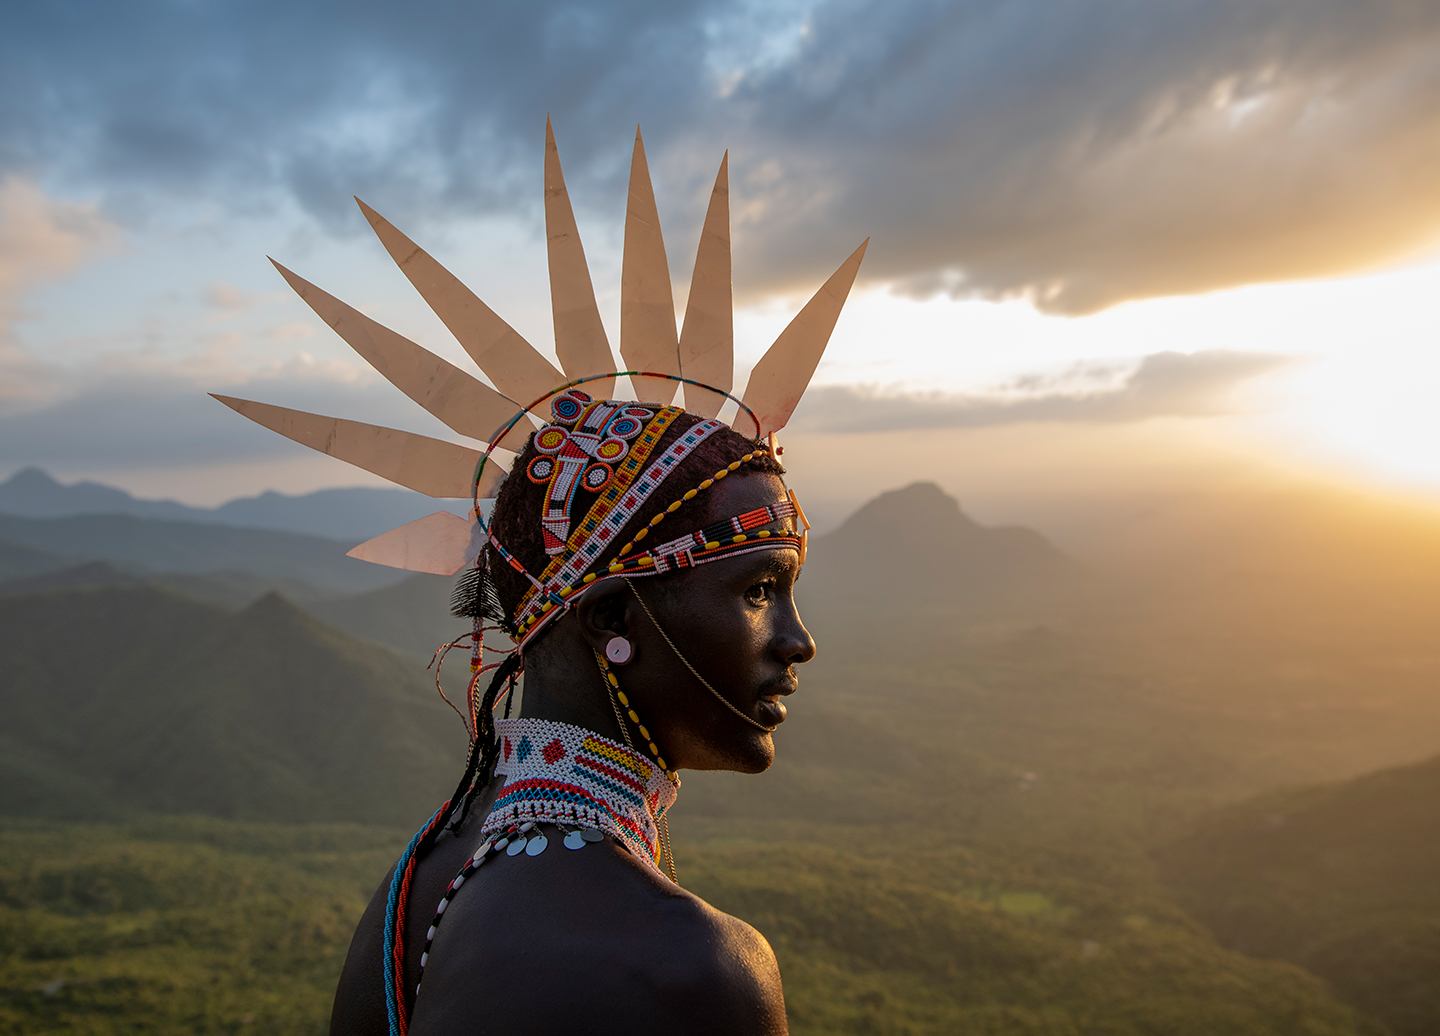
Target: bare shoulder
{"points": [[731, 984], [599, 942]]}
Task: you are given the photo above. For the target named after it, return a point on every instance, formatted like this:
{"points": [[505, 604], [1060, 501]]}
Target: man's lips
{"points": [[772, 710]]}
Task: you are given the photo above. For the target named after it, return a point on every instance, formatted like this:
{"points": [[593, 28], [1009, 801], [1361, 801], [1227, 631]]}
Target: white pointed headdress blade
{"points": [[430, 466], [707, 338], [580, 340], [511, 362], [465, 404], [647, 304], [440, 544], [783, 373]]}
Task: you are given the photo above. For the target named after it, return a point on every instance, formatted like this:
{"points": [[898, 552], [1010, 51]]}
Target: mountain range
{"points": [[29, 546], [1339, 878], [341, 514], [128, 699], [987, 767]]}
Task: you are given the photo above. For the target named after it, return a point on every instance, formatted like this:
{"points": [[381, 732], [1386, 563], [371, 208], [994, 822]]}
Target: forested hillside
{"points": [[982, 819]]}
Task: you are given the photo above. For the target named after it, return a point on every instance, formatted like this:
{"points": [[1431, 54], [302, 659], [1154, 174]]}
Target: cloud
{"points": [[41, 239], [226, 298], [138, 414], [1164, 384], [1074, 154]]}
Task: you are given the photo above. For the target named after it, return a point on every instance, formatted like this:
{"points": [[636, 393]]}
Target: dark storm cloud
{"points": [[1162, 385], [1077, 154]]}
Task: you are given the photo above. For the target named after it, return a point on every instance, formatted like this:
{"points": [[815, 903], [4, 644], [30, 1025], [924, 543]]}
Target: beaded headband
{"points": [[699, 357], [607, 448]]}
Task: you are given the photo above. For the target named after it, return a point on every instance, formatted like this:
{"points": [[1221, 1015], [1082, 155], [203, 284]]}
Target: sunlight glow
{"points": [[1361, 396]]}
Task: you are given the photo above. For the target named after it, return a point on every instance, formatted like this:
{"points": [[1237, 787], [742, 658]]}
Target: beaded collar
{"points": [[563, 774]]}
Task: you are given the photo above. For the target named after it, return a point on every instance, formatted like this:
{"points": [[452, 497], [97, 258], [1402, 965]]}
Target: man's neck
{"points": [[565, 684]]}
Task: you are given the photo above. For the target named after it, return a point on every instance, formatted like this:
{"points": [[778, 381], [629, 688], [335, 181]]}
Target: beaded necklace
{"points": [[573, 779], [560, 773]]}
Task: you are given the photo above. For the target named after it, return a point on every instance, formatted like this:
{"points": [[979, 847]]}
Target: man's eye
{"points": [[758, 594]]}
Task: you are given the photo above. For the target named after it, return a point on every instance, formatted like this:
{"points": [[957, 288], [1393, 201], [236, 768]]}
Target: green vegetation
{"points": [[187, 925], [989, 815], [178, 926], [1341, 879]]}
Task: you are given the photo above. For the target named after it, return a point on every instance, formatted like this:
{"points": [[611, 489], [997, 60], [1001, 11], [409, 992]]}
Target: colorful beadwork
{"points": [[561, 773], [577, 451], [632, 485], [736, 535]]}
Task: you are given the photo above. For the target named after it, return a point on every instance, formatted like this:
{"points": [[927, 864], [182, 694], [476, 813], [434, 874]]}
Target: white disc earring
{"points": [[618, 650]]}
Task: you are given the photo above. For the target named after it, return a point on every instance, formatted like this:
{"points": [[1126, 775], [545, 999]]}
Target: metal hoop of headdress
{"points": [[531, 407]]}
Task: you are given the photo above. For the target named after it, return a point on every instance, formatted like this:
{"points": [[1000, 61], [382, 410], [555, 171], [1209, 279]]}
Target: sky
{"points": [[1114, 246]]}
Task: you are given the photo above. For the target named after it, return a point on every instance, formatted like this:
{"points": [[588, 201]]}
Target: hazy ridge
{"points": [[995, 807]]}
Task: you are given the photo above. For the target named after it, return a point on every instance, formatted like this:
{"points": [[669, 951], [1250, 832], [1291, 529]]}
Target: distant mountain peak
{"points": [[31, 478], [918, 494], [920, 507], [271, 603]]}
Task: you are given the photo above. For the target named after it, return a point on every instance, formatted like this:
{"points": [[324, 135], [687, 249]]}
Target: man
{"points": [[642, 557], [600, 939]]}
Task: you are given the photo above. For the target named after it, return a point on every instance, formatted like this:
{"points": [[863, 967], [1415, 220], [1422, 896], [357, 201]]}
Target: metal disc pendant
{"points": [[515, 848], [574, 840], [592, 835], [536, 845]]}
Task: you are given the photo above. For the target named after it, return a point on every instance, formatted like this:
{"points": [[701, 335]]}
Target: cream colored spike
{"points": [[783, 373], [441, 544], [430, 466], [647, 304], [580, 340], [512, 363], [462, 402], [707, 339]]}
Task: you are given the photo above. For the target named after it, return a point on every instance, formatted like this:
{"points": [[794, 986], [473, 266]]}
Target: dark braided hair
{"points": [[491, 591]]}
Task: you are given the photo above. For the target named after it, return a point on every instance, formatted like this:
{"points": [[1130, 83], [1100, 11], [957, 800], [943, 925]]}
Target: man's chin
{"points": [[759, 754], [754, 754]]}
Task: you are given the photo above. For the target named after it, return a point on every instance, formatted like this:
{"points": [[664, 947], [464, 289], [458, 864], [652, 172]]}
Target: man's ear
{"points": [[603, 612]]}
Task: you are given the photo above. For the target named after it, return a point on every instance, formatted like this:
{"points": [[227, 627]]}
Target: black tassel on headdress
{"points": [[484, 753], [474, 597]]}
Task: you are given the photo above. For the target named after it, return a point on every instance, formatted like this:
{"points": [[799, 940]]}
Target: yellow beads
{"points": [[634, 716], [645, 733], [738, 538], [618, 692], [616, 568]]}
